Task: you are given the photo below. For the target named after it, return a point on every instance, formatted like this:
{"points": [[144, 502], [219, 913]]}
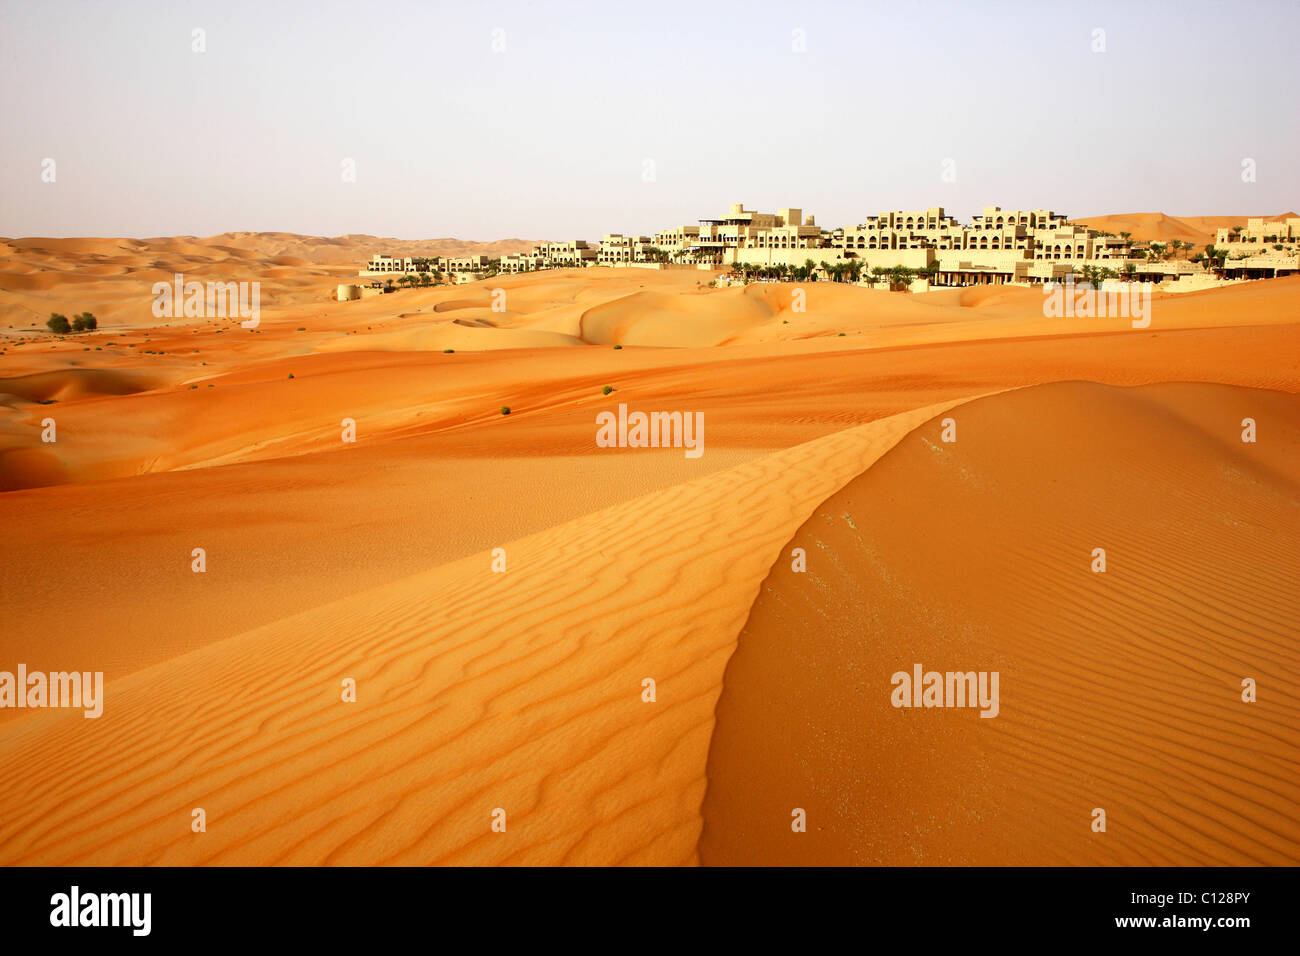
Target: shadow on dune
{"points": [[1119, 691]]}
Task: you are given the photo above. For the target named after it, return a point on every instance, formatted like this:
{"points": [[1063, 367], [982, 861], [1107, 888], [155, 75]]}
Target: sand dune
{"points": [[1157, 227], [217, 394], [1118, 690], [350, 250], [476, 690]]}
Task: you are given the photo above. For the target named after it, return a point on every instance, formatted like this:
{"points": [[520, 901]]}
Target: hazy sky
{"points": [[550, 137]]}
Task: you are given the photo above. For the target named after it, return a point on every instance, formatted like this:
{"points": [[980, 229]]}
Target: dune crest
{"points": [[1119, 690], [476, 690]]}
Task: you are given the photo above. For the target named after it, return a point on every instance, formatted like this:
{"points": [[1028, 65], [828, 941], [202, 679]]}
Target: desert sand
{"points": [[523, 690]]}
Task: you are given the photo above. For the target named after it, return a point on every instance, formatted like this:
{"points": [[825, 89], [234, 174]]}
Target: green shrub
{"points": [[607, 389], [505, 409], [59, 324]]}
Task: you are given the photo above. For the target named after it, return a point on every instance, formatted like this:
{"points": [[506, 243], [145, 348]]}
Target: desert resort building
{"points": [[998, 246]]}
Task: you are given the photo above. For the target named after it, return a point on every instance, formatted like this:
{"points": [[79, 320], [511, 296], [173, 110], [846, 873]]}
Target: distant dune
{"points": [[1157, 227], [113, 277], [354, 249]]}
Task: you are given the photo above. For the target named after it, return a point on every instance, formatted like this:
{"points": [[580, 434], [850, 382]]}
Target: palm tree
{"points": [[1216, 258], [900, 277]]}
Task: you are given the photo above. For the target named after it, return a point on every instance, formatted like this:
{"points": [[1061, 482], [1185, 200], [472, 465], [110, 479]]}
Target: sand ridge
{"points": [[1119, 690], [475, 690]]}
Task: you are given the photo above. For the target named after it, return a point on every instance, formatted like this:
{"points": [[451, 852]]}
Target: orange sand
{"points": [[523, 690], [1118, 690]]}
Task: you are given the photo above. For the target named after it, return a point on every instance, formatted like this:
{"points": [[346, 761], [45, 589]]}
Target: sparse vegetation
{"points": [[607, 389], [59, 323], [505, 409]]}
